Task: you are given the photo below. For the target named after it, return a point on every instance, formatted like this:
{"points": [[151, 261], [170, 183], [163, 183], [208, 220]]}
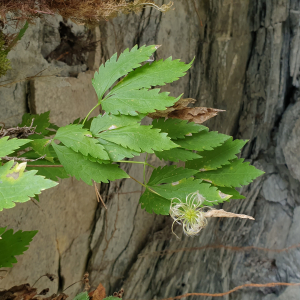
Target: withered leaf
{"points": [[180, 111], [220, 213], [98, 294], [20, 292], [44, 292]]}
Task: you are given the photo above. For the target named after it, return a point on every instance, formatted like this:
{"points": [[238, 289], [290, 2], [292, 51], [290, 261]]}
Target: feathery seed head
{"points": [[189, 214]]}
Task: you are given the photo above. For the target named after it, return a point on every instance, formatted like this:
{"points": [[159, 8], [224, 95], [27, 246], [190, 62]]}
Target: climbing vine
{"points": [[37, 153]]}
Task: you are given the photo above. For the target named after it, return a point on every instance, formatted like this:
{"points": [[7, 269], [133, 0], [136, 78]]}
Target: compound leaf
{"points": [[77, 165], [231, 191], [152, 202], [169, 174], [133, 102], [177, 154], [139, 138], [204, 140], [9, 146], [82, 296], [157, 73], [113, 69], [236, 174], [176, 128], [117, 152], [108, 122], [218, 156], [13, 244], [160, 202], [18, 186], [40, 121], [43, 147], [184, 187], [79, 139]]}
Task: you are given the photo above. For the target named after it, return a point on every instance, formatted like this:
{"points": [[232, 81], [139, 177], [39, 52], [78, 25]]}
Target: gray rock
{"points": [[67, 98], [275, 188]]}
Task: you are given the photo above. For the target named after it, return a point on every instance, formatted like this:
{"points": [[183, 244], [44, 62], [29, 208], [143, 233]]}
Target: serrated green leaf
{"points": [[40, 121], [203, 140], [43, 147], [231, 191], [22, 31], [187, 186], [160, 203], [114, 69], [177, 154], [2, 230], [176, 128], [152, 202], [217, 157], [133, 102], [17, 38], [139, 138], [108, 122], [157, 73], [169, 174], [52, 173], [76, 165], [79, 139], [112, 298], [18, 186], [82, 296], [9, 146], [53, 126], [236, 174], [117, 152], [13, 244]]}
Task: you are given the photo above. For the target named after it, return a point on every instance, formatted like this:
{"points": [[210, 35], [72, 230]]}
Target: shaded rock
{"points": [[288, 140], [275, 188], [67, 98]]}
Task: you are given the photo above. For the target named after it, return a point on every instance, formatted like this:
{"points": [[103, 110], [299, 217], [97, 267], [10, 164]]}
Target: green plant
{"points": [[4, 62], [6, 44], [92, 149]]}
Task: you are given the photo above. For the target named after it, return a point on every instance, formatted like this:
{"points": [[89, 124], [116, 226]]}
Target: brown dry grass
{"points": [[80, 11]]}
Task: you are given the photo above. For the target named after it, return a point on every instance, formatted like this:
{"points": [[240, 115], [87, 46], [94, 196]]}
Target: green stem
{"points": [[145, 186], [144, 173], [136, 162], [138, 181], [99, 103]]}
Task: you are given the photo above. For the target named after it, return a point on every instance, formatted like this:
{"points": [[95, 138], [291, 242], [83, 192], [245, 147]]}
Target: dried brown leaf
{"points": [[98, 294], [19, 292], [180, 111], [220, 213]]}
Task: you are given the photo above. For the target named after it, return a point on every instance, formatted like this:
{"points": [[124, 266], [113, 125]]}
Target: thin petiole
{"points": [[99, 103], [138, 181], [136, 162], [145, 186], [144, 173]]}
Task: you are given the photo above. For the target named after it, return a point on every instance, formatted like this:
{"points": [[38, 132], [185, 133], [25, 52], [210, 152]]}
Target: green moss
{"points": [[4, 62]]}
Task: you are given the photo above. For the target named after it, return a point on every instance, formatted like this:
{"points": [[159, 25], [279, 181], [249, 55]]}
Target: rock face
{"points": [[246, 62]]}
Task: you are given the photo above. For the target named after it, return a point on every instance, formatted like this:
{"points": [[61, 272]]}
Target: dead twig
{"points": [[18, 132], [22, 158], [98, 195]]}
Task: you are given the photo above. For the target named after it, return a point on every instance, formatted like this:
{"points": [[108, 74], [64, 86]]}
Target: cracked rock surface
{"points": [[247, 62]]}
